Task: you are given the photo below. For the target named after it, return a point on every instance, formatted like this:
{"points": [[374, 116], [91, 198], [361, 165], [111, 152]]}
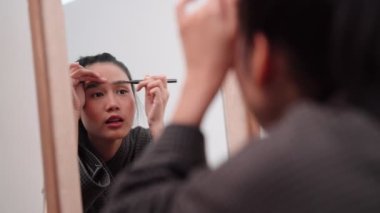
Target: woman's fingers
{"points": [[153, 81], [82, 72], [156, 97], [74, 65], [181, 7], [156, 93], [211, 26], [79, 73], [157, 86], [155, 89]]}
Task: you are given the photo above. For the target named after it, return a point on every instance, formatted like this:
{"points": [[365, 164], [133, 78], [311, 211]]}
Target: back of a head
{"points": [[356, 53], [333, 44], [302, 29]]}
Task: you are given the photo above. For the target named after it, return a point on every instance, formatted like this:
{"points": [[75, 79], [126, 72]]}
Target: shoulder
{"points": [[315, 152], [140, 134], [326, 125], [137, 140], [317, 144]]}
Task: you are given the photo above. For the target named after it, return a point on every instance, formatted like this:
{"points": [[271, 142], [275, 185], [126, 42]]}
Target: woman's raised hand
{"points": [[79, 75], [208, 38], [208, 34], [156, 98]]}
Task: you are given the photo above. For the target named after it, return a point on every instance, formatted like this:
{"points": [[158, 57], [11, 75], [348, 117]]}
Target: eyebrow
{"points": [[91, 84], [94, 84], [121, 82]]}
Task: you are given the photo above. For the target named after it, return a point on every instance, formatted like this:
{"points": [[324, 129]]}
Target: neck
{"points": [[105, 148]]}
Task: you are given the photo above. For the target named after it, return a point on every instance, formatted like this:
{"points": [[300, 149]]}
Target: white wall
{"points": [[142, 34], [21, 179]]}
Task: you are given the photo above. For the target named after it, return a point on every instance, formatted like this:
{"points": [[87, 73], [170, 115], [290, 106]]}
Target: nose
{"points": [[112, 104]]}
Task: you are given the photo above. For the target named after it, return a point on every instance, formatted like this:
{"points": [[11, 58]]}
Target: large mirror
{"points": [[143, 35], [140, 33]]}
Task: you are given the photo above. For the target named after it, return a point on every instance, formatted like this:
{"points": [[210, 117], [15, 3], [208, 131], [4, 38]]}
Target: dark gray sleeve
{"points": [[171, 176], [94, 177], [152, 182], [296, 173]]}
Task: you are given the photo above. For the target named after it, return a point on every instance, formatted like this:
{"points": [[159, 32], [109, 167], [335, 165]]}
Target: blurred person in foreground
{"points": [[310, 72]]}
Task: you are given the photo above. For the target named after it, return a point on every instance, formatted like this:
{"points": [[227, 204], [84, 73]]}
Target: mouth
{"points": [[114, 121]]}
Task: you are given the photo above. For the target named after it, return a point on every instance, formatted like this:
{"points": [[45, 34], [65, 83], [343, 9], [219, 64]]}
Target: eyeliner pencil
{"points": [[138, 81]]}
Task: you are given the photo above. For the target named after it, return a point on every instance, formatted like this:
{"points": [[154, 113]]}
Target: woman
{"points": [[309, 71], [105, 107]]}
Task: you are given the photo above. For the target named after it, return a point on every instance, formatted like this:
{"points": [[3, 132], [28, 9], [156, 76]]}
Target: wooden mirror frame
{"points": [[57, 123], [240, 124]]}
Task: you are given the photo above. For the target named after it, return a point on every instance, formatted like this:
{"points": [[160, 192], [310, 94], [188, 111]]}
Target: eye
{"points": [[97, 95], [122, 91]]}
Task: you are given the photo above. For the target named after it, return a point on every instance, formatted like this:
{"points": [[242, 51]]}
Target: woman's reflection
{"points": [[105, 106]]}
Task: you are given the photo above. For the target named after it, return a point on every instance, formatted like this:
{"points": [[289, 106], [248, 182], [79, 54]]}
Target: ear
{"points": [[260, 60]]}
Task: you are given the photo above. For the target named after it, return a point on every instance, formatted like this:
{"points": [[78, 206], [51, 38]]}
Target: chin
{"points": [[116, 135]]}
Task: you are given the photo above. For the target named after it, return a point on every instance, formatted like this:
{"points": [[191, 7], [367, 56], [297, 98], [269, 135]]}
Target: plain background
{"points": [[21, 179]]}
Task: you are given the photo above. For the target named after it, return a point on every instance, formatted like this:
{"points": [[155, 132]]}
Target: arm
{"points": [[156, 98], [165, 163], [172, 177], [94, 177], [208, 36]]}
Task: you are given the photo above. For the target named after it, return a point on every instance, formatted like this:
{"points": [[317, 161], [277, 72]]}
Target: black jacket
{"points": [[96, 176], [317, 159]]}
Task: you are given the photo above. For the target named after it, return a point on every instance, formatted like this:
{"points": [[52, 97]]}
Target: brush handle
{"points": [[138, 81]]}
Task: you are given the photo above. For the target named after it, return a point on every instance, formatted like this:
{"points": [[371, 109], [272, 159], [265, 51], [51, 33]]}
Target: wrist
{"points": [[156, 128], [196, 95]]}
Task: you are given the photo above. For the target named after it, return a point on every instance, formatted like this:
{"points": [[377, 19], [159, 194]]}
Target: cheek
{"points": [[91, 112], [129, 107]]}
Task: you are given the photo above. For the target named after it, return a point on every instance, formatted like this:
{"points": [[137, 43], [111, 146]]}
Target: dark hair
{"points": [[356, 53], [100, 58], [299, 27], [105, 58], [335, 44]]}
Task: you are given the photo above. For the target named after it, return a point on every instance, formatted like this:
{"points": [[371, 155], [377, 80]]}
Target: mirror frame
{"points": [[240, 123], [57, 124]]}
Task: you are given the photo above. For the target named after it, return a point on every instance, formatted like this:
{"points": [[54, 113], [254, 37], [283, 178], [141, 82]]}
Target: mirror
{"points": [[143, 35]]}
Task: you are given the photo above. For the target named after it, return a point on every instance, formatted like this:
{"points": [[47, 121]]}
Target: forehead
{"points": [[108, 70]]}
